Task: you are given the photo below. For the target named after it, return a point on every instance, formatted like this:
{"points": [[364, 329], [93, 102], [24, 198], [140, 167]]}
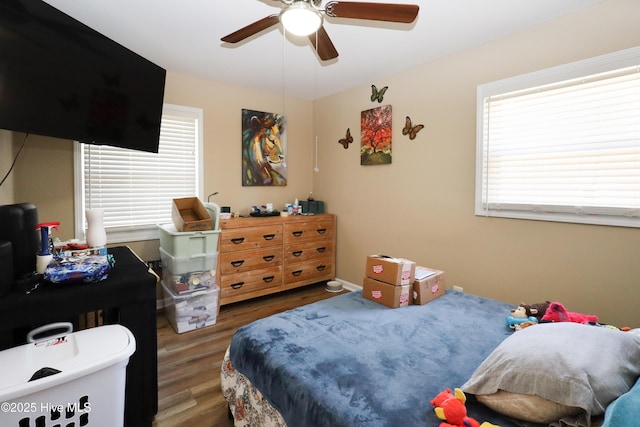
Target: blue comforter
{"points": [[348, 361]]}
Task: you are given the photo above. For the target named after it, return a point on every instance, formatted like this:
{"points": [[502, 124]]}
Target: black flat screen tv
{"points": [[60, 78]]}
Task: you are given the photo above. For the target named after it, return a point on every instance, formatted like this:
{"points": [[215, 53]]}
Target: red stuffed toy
{"points": [[450, 408], [558, 313]]}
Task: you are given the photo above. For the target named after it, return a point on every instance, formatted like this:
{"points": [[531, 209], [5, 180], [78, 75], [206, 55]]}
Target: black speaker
{"points": [[6, 267], [18, 225]]}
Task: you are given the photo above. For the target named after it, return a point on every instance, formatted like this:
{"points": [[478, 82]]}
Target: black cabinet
{"points": [[127, 297]]}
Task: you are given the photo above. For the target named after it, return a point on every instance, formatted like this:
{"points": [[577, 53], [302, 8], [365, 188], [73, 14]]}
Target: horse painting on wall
{"points": [[263, 149]]}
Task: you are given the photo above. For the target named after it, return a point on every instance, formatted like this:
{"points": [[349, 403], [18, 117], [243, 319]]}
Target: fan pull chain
{"points": [[284, 95]]}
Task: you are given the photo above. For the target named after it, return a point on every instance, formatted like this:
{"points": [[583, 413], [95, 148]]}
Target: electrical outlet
{"points": [[458, 288]]}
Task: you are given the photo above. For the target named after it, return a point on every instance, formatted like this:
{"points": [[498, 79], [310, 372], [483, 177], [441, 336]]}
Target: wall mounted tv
{"points": [[60, 78]]}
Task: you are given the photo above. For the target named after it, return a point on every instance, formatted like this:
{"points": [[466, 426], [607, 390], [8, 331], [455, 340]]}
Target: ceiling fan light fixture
{"points": [[300, 19]]}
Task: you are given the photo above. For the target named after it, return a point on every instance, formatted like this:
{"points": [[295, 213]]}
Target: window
{"points": [[136, 188], [562, 144]]}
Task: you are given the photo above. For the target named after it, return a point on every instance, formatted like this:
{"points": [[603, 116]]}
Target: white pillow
{"points": [[556, 370]]}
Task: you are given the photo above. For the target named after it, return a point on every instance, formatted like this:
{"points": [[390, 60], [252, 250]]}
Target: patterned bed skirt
{"points": [[247, 405]]}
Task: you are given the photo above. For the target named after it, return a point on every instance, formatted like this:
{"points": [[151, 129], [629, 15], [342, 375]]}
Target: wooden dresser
{"points": [[260, 256]]}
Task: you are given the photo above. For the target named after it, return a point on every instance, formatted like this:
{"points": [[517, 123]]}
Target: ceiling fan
{"points": [[305, 18]]}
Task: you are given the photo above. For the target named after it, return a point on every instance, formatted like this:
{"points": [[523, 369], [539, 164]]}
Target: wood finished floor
{"points": [[189, 393]]}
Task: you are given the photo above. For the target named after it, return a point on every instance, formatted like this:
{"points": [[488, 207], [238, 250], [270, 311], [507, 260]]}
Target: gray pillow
{"points": [[574, 367]]}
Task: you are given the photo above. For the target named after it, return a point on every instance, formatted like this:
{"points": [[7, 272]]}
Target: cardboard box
{"points": [[428, 285], [189, 214], [395, 271], [390, 295]]}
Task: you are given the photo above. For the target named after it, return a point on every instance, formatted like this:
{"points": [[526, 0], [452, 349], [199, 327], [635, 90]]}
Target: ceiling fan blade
{"points": [[325, 48], [251, 29], [388, 12]]}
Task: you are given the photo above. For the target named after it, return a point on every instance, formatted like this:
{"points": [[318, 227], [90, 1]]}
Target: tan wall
{"points": [[44, 177], [44, 170], [6, 157], [222, 105], [422, 205]]}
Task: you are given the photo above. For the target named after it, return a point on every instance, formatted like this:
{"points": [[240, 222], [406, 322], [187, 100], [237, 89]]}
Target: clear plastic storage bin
{"points": [[80, 379], [188, 264], [191, 311], [189, 282], [188, 243]]}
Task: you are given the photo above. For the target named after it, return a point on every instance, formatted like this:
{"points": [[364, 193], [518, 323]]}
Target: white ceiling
{"points": [[184, 36]]}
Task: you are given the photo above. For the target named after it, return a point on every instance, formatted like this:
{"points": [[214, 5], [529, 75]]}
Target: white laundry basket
{"points": [[88, 390]]}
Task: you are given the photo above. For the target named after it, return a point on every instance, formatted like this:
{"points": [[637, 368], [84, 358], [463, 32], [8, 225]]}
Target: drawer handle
{"points": [[321, 230], [321, 267], [237, 285], [237, 263], [297, 272], [237, 240], [322, 249], [268, 279], [268, 257], [296, 253], [268, 236], [297, 233]]}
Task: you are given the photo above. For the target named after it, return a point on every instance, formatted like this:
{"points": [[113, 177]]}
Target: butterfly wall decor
{"points": [[378, 94], [411, 130], [348, 139]]}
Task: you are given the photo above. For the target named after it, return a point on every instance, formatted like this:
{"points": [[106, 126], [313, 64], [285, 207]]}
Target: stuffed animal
{"points": [[521, 326], [558, 313], [484, 424], [536, 310], [519, 312], [519, 316], [450, 408]]}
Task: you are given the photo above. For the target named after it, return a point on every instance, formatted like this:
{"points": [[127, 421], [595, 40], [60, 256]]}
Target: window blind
{"points": [[136, 188], [567, 150]]}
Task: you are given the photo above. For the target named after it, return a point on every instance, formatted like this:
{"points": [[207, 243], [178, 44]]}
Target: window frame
{"points": [[141, 232], [557, 213]]}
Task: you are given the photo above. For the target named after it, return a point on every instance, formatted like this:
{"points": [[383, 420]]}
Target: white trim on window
{"points": [[136, 188], [562, 144]]}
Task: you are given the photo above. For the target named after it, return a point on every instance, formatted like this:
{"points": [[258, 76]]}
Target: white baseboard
{"points": [[349, 286]]}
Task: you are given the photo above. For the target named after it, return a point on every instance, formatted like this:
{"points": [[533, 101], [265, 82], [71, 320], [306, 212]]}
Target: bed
{"points": [[348, 361]]}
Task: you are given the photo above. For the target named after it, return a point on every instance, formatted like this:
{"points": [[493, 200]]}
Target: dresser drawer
{"points": [[313, 270], [299, 252], [252, 259], [248, 281], [308, 231], [262, 256], [250, 238]]}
